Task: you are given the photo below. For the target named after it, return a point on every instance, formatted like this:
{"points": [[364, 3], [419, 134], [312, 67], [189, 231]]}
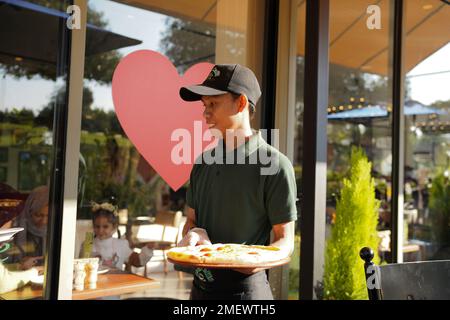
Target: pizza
{"points": [[228, 254]]}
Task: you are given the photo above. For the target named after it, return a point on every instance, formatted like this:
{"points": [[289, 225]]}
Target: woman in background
{"points": [[31, 243]]}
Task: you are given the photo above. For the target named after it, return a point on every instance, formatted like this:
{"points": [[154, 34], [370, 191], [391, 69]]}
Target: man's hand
{"points": [[40, 270], [29, 262], [195, 237]]}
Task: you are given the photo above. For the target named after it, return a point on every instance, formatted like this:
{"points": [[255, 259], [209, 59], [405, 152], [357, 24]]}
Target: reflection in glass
{"points": [[32, 88], [294, 267], [427, 132], [111, 169], [359, 115]]}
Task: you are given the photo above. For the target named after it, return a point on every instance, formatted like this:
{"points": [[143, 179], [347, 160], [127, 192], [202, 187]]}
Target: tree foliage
{"points": [[440, 210], [186, 43], [355, 227]]}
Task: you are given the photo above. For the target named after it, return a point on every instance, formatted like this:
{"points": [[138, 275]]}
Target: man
{"points": [[231, 201]]}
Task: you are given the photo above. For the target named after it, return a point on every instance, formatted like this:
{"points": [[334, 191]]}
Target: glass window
{"points": [[359, 114], [32, 90], [427, 131], [111, 168], [294, 268]]}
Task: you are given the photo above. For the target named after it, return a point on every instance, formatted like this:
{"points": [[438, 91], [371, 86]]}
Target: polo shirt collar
{"points": [[251, 145]]}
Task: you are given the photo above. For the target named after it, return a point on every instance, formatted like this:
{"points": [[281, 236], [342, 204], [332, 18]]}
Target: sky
{"points": [[147, 27]]}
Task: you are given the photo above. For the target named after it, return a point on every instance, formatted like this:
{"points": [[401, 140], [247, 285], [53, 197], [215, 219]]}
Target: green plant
{"points": [[440, 210], [354, 228]]}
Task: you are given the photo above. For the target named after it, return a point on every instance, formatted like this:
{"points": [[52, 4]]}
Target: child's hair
{"points": [[106, 210]]}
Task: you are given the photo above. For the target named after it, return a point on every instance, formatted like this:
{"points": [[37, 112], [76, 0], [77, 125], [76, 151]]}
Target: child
{"points": [[113, 253]]}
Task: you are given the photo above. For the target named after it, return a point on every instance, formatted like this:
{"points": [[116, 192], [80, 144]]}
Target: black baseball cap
{"points": [[225, 78]]}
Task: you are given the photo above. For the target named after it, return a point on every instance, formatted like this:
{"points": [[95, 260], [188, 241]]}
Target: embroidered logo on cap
{"points": [[214, 73]]}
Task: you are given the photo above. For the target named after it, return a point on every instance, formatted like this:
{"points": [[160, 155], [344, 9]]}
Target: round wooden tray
{"points": [[231, 266]]}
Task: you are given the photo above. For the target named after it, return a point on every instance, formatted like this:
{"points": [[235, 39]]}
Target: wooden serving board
{"points": [[231, 266]]}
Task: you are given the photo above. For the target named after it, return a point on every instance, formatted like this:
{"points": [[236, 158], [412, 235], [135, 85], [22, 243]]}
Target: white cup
{"points": [[92, 267], [79, 276]]}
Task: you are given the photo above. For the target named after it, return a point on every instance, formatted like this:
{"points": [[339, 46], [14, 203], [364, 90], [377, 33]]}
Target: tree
{"points": [[186, 43], [440, 211], [442, 105], [355, 227]]}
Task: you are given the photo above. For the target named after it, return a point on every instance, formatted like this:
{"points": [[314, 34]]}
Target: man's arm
{"points": [[190, 220], [283, 236]]}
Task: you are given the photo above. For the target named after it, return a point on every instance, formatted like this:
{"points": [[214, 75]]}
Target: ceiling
{"points": [[352, 44]]}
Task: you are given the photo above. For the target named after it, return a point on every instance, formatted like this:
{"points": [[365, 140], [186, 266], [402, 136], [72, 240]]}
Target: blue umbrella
{"points": [[413, 107], [365, 112], [377, 111]]}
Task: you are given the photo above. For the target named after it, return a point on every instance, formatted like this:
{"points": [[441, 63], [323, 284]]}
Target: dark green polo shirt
{"points": [[240, 202]]}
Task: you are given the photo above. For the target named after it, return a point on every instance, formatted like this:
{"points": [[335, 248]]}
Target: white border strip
{"points": [[78, 45]]}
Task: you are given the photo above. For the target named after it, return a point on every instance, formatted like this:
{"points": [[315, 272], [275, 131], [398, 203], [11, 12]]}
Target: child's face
{"points": [[103, 229]]}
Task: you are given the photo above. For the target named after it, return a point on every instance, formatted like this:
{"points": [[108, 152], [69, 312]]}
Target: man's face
{"points": [[40, 218], [221, 112]]}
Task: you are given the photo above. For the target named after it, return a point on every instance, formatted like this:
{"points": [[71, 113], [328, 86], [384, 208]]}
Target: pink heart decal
{"points": [[145, 90]]}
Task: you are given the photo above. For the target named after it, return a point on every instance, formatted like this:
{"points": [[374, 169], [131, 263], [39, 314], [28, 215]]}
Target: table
{"points": [[109, 284]]}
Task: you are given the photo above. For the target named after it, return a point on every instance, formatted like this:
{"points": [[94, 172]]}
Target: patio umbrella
{"points": [[413, 107], [365, 112], [30, 31], [377, 111]]}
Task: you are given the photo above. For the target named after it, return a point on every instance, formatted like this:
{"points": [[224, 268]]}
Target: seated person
{"points": [[113, 252], [30, 245], [10, 280]]}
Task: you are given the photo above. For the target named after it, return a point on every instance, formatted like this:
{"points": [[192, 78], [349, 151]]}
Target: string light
{"points": [[430, 126]]}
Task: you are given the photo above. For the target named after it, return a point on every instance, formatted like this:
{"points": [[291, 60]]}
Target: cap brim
{"points": [[195, 93]]}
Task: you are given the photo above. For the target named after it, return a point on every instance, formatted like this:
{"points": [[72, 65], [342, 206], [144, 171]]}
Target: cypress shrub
{"points": [[440, 210], [355, 227]]}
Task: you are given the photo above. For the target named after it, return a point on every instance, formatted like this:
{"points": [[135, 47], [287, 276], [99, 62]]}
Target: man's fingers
{"points": [[204, 241], [192, 239]]}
